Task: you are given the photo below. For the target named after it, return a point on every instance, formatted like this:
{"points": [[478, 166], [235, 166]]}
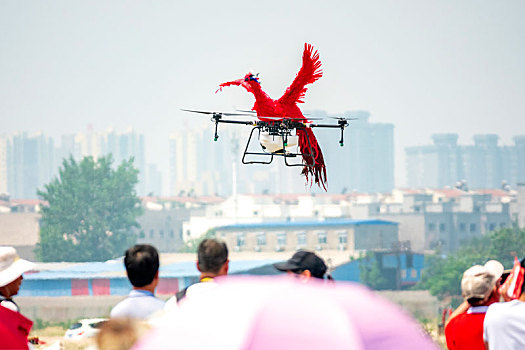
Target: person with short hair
{"points": [[504, 326], [479, 288], [212, 262], [304, 264], [142, 267]]}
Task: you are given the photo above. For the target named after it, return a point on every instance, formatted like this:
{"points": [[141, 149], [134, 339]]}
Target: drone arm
{"points": [[324, 126], [243, 122], [340, 126], [218, 120]]}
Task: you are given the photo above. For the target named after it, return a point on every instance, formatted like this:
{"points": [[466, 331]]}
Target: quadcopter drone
{"points": [[281, 124], [276, 136]]}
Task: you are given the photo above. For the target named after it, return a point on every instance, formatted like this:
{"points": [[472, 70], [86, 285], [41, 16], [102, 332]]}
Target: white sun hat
{"points": [[11, 266]]}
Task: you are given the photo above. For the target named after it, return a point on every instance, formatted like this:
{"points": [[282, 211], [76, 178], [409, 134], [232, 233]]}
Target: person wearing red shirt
{"points": [[479, 288]]}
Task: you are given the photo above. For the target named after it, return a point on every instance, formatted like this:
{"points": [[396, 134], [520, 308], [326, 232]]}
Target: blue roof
{"points": [[309, 223], [115, 269]]}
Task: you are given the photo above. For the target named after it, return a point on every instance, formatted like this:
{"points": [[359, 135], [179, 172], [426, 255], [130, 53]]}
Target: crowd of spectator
{"points": [[492, 315]]}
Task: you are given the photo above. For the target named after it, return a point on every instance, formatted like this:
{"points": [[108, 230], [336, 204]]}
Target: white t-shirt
{"points": [[194, 289], [504, 326]]}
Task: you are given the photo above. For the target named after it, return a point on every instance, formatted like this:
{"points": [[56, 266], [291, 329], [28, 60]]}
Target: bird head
{"points": [[252, 77]]}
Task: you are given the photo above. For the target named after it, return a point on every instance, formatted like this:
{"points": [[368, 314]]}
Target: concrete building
{"points": [[30, 163], [448, 217], [341, 234], [434, 166], [366, 162], [124, 146], [19, 226], [162, 227], [484, 164]]}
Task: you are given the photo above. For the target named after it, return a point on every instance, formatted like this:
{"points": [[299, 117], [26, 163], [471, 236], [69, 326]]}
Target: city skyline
{"points": [[427, 67], [201, 163]]}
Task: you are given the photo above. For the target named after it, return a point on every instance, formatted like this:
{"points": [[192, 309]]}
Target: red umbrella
{"points": [[284, 313]]}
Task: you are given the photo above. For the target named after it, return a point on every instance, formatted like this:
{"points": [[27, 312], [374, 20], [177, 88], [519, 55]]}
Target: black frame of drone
{"points": [[280, 127]]}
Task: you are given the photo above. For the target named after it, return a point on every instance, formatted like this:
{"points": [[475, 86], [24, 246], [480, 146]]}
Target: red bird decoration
{"points": [[286, 107]]}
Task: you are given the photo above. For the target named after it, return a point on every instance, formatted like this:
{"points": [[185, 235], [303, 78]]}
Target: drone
{"points": [[277, 137], [281, 124]]}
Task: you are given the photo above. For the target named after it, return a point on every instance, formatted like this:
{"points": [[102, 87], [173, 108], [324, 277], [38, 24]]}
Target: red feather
{"points": [[286, 106]]}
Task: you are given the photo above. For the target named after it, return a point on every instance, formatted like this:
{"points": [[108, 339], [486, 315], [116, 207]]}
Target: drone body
{"points": [[285, 108]]}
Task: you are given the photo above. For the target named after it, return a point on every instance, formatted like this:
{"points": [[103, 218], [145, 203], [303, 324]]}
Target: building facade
{"points": [[366, 161], [336, 234], [484, 164]]}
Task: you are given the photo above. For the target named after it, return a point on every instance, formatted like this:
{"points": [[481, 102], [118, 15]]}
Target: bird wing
{"points": [[309, 73]]}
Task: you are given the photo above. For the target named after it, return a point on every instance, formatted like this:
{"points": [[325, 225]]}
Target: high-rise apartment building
{"points": [[153, 180], [484, 164], [436, 165], [366, 161], [30, 163]]}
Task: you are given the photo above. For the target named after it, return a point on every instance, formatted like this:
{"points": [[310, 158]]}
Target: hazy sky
{"points": [[425, 66]]}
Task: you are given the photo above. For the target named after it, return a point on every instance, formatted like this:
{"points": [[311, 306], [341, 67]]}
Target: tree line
{"points": [[443, 272]]}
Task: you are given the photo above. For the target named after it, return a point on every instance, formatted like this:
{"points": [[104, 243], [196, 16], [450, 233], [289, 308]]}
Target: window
{"points": [[142, 234], [343, 238], [261, 239], [240, 240], [161, 233], [492, 227], [472, 227], [151, 233], [321, 238], [431, 227], [442, 227], [301, 238], [172, 234], [462, 227], [281, 239]]}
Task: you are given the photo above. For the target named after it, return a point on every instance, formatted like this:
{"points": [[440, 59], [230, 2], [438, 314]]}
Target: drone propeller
{"points": [[343, 118], [215, 113]]}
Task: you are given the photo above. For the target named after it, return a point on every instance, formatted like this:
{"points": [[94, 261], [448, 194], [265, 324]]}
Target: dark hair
{"points": [[475, 301], [142, 264], [211, 255]]}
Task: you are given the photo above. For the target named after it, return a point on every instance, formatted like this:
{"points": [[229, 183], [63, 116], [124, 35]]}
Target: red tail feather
{"points": [[312, 155]]}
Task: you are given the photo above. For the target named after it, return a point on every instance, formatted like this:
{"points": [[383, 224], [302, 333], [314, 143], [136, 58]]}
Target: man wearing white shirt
{"points": [[212, 261], [142, 267], [504, 325]]}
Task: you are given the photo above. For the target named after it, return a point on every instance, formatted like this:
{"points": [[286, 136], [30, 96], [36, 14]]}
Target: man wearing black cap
{"points": [[305, 264]]}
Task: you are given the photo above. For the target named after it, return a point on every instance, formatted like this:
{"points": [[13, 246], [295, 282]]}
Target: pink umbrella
{"points": [[284, 313]]}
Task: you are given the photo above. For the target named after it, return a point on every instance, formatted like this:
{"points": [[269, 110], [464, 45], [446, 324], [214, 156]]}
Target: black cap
{"points": [[304, 260]]}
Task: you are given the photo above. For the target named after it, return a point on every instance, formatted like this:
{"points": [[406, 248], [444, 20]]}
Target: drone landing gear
{"points": [[282, 152]]}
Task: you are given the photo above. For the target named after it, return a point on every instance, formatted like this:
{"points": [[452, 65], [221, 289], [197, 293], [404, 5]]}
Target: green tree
{"points": [[91, 212], [370, 272], [443, 273]]}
